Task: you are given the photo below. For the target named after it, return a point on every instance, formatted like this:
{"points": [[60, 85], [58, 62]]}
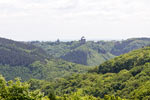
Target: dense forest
{"points": [[17, 53], [130, 83], [90, 52], [20, 59], [47, 75]]}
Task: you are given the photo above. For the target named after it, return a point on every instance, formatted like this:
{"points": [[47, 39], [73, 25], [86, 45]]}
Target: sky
{"points": [[48, 20]]}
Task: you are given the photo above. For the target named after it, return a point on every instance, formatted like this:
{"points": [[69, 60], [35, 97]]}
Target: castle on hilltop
{"points": [[83, 40]]}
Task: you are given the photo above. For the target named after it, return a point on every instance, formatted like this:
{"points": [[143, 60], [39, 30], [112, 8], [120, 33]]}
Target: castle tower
{"points": [[83, 40]]}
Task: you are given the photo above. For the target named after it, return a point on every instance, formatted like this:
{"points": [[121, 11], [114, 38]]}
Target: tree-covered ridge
{"points": [[126, 61], [126, 77], [128, 45], [17, 90], [90, 52], [50, 70], [20, 59], [20, 54], [129, 83], [87, 55]]}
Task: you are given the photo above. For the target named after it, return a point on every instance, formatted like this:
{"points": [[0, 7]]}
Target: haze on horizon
{"points": [[26, 20]]}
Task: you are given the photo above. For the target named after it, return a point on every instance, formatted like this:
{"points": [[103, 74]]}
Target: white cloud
{"points": [[81, 14], [71, 8]]}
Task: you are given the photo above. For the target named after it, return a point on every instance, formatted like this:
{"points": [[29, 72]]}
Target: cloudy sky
{"points": [[70, 19]]}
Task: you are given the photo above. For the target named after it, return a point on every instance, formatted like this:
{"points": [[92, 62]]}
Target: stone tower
{"points": [[83, 40]]}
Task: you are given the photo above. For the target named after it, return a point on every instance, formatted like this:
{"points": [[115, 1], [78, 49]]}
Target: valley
{"points": [[102, 70]]}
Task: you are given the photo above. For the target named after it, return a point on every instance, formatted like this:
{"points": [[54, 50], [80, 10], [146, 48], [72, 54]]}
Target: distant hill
{"points": [[126, 76], [87, 56], [126, 61], [91, 53], [50, 70], [128, 45], [15, 53], [21, 59]]}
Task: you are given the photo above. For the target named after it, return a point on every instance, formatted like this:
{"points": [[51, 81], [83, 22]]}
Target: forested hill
{"points": [[90, 52], [126, 61], [15, 53], [21, 59], [128, 45], [127, 77]]}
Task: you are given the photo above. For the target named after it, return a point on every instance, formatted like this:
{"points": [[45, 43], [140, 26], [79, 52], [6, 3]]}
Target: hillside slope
{"points": [[126, 61], [50, 70], [91, 53], [87, 56], [19, 54], [126, 76], [19, 59], [128, 45], [129, 82]]}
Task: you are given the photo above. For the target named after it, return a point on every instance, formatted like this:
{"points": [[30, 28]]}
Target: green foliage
{"points": [[78, 96], [91, 53], [129, 45], [50, 70], [126, 61], [126, 76], [131, 83], [86, 55], [19, 54], [56, 68], [112, 98], [15, 90], [124, 84], [18, 59], [44, 86]]}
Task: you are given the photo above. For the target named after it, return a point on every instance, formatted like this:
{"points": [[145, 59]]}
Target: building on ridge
{"points": [[83, 40]]}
